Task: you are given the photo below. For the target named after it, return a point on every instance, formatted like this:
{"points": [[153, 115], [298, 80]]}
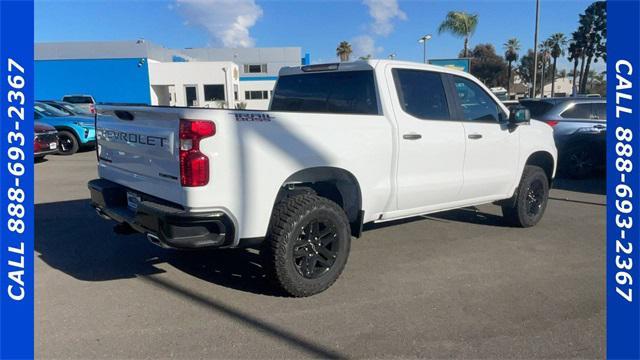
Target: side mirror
{"points": [[519, 115]]}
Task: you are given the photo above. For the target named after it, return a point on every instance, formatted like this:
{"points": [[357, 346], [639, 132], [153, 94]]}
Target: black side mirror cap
{"points": [[519, 115]]}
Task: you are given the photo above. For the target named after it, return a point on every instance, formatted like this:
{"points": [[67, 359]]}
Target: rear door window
{"points": [[421, 94], [342, 92], [578, 111]]}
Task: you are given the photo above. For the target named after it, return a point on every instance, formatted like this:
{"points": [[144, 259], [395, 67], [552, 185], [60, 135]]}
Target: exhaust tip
{"points": [[154, 239], [102, 214]]}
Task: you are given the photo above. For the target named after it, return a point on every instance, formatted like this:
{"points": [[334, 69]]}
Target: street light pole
{"points": [[535, 49], [424, 40]]}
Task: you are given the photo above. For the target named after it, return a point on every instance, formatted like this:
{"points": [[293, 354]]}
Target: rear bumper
{"points": [[164, 223]]}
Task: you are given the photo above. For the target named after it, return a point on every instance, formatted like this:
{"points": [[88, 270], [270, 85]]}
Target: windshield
{"points": [[48, 110], [60, 107], [78, 99], [537, 108]]}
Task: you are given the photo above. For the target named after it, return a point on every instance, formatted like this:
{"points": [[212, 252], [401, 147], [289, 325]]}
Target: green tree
{"points": [[488, 66], [525, 70], [460, 24], [512, 46], [591, 36], [558, 43], [344, 50]]}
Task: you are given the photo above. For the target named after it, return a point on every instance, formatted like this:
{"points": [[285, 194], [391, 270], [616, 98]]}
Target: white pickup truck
{"points": [[342, 145]]}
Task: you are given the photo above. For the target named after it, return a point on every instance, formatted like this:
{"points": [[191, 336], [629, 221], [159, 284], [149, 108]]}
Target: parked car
{"points": [[71, 109], [74, 132], [342, 145], [45, 140], [578, 125], [85, 101]]}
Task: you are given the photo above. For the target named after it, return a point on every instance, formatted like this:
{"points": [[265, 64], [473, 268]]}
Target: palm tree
{"points": [[558, 43], [545, 49], [343, 51], [575, 54], [512, 46], [460, 24]]}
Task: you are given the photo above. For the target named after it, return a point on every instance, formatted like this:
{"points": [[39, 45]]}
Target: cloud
{"points": [[228, 21], [383, 13], [365, 45]]}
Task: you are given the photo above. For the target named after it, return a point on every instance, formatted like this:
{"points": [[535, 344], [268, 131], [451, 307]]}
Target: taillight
{"points": [[92, 108], [194, 165], [552, 123]]}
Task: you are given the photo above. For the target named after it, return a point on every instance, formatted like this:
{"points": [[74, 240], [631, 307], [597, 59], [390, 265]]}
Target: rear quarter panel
{"points": [[253, 154]]}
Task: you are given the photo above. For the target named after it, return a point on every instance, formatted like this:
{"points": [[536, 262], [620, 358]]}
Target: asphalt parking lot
{"points": [[456, 284]]}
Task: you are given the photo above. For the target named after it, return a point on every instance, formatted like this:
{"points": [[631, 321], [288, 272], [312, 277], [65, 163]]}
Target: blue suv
{"points": [[74, 131]]}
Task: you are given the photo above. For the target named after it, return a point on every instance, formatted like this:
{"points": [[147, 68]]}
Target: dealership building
{"points": [[145, 73]]}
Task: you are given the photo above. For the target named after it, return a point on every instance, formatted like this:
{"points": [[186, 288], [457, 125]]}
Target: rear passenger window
{"points": [[578, 111], [476, 104], [421, 94], [341, 92]]}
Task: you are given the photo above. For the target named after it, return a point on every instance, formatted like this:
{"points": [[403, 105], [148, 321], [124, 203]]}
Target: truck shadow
{"points": [[72, 238]]}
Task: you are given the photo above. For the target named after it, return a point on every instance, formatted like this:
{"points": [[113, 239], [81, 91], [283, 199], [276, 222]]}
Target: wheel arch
{"points": [[69, 129], [336, 184], [544, 160]]}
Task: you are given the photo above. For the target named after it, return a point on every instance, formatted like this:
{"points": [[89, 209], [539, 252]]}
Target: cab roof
{"points": [[360, 65]]}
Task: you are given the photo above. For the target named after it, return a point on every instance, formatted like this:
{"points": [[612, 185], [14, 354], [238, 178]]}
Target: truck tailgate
{"points": [[137, 147]]}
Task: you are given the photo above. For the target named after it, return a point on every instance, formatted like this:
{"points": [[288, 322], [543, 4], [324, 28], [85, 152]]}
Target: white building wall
{"points": [[169, 81], [563, 87], [258, 85]]}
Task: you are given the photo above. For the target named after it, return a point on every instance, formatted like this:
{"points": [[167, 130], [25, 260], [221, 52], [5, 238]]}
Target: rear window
{"points": [[600, 110], [343, 92], [537, 108], [78, 99], [578, 111]]}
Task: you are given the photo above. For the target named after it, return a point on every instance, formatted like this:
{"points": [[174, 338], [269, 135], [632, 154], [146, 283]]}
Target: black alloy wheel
{"points": [[580, 163], [535, 197], [316, 248]]}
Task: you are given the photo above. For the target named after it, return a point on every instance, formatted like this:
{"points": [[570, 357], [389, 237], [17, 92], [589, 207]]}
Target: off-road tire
{"points": [[519, 212], [287, 226]]}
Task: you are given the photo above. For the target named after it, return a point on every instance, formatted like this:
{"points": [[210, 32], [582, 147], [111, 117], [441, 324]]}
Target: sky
{"points": [[377, 27]]}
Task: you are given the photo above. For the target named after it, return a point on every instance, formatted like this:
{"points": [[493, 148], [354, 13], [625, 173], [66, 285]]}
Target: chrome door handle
{"points": [[412, 136], [599, 126], [475, 136]]}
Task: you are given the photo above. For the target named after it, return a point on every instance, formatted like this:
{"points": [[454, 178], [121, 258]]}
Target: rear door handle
{"points": [[475, 136], [599, 126], [412, 136]]}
